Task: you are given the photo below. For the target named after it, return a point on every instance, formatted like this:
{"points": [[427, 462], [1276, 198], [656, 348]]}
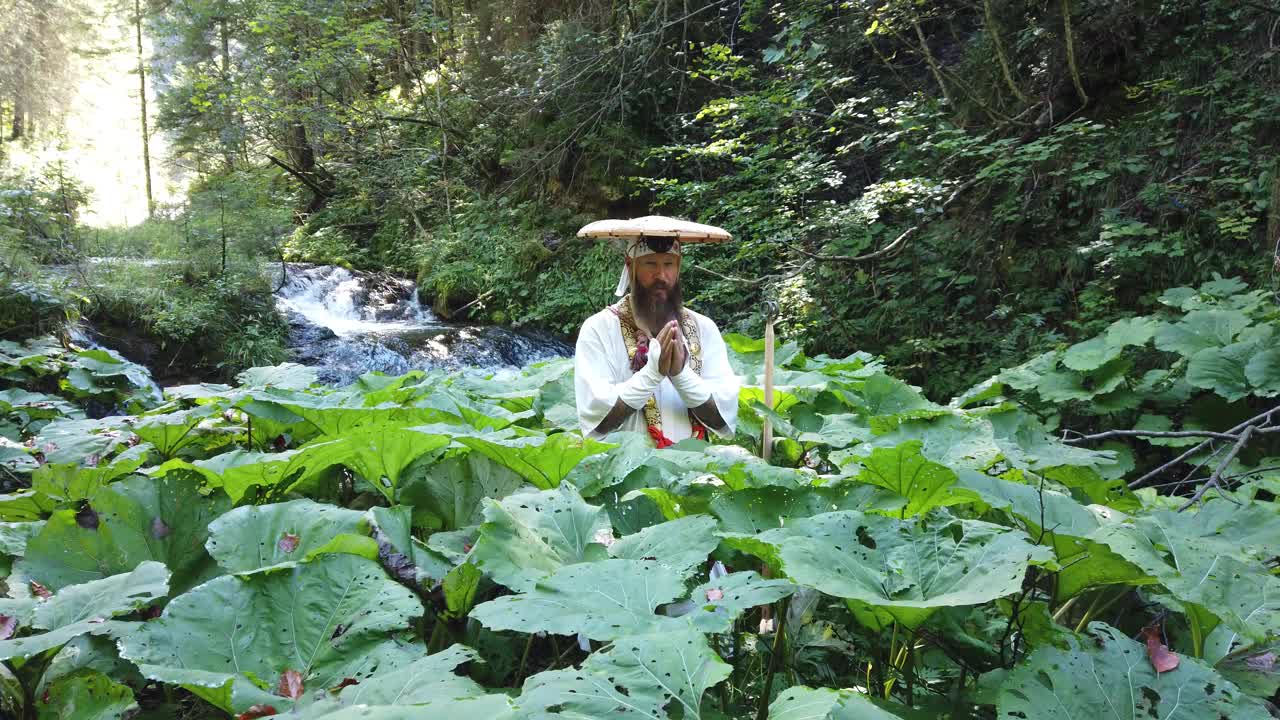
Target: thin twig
{"points": [[1260, 419], [1217, 474], [1153, 433], [901, 240]]}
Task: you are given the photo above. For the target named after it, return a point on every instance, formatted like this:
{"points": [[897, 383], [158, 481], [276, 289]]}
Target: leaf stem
{"points": [[763, 712]]}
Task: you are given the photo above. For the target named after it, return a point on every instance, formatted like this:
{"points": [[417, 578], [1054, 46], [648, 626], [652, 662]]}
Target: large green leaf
{"points": [[261, 537], [429, 679], [1222, 369], [1091, 354], [1263, 372], [289, 376], [597, 472], [85, 695], [638, 676], [1201, 329], [453, 490], [755, 510], [85, 609], [236, 471], [231, 639], [529, 535], [72, 441], [907, 567], [543, 461], [1109, 676], [804, 703], [138, 519], [1215, 576], [678, 544], [379, 453], [105, 598], [172, 431], [78, 481], [715, 604], [905, 472], [602, 600]]}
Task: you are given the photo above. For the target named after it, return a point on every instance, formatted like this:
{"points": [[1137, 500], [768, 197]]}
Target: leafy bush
{"points": [[902, 557]]}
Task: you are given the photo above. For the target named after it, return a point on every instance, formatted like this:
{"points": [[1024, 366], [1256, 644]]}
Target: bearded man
{"points": [[647, 363]]}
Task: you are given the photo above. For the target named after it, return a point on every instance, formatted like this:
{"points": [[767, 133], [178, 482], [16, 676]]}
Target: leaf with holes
{"points": [[1107, 675], [910, 568], [230, 639], [260, 537], [529, 535], [602, 600], [636, 676]]}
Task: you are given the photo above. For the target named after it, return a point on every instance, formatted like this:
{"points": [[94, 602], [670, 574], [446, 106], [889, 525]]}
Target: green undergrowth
{"points": [[449, 544]]}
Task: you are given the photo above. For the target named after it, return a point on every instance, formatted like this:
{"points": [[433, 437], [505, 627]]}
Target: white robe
{"points": [[601, 364]]}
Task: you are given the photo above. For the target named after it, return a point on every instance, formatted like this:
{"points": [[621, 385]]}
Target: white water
{"points": [[351, 305], [347, 323]]}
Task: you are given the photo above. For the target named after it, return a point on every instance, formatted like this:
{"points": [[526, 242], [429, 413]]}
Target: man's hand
{"points": [[674, 352]]}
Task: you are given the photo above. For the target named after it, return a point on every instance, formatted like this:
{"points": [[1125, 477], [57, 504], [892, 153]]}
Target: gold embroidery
{"points": [[630, 331]]}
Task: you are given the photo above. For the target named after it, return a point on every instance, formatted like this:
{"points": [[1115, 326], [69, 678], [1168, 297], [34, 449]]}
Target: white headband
{"points": [[635, 248]]}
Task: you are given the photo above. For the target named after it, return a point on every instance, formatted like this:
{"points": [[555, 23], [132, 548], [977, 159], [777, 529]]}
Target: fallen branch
{"points": [[449, 315], [1222, 466], [315, 187], [1255, 423], [1152, 433], [899, 241]]}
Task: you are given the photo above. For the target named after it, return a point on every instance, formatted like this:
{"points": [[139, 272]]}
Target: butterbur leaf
{"points": [[603, 600], [908, 568], [8, 624], [290, 684], [637, 676], [257, 711], [1162, 659], [288, 543], [1107, 675]]}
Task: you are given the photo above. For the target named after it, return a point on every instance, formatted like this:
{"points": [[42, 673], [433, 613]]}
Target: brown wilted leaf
{"points": [[1162, 659], [41, 591], [257, 711], [290, 684], [8, 625], [288, 543]]}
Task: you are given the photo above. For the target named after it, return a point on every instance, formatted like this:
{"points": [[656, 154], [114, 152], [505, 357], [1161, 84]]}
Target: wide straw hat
{"points": [[656, 232], [655, 226]]}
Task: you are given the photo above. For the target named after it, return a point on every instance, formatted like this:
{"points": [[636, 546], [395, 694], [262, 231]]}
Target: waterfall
{"points": [[346, 323]]}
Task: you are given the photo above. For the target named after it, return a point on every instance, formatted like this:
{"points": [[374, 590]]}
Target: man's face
{"points": [[657, 294], [657, 273]]}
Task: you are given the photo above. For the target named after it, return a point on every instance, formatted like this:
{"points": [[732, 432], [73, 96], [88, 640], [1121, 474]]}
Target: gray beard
{"points": [[652, 313]]}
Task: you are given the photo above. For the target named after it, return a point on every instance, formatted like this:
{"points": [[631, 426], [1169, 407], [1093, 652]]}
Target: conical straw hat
{"points": [[655, 225]]}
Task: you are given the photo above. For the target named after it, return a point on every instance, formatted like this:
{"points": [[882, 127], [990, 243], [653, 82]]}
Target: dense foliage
{"points": [[449, 543], [1054, 165]]}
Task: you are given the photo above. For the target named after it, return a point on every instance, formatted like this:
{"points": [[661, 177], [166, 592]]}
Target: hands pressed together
{"points": [[674, 352]]}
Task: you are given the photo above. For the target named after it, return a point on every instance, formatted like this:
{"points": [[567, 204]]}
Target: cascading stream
{"points": [[346, 323]]}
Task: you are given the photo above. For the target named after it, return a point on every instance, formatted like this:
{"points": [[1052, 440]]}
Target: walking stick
{"points": [[770, 308]]}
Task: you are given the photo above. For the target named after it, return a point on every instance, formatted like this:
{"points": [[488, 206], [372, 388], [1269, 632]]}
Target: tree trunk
{"points": [[933, 64], [993, 29], [142, 99], [1071, 53], [19, 110], [228, 146]]}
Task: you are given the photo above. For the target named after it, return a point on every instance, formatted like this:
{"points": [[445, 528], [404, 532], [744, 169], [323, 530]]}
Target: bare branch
{"points": [[1257, 420], [899, 241], [1153, 433], [1222, 466]]}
